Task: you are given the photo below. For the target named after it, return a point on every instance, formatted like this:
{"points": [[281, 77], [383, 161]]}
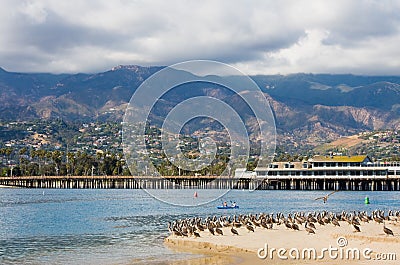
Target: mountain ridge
{"points": [[308, 106]]}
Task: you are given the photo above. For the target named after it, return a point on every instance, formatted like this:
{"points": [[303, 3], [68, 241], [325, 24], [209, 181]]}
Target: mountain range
{"points": [[307, 107]]}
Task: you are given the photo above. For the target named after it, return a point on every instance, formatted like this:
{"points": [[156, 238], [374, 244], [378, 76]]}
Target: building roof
{"points": [[354, 159]]}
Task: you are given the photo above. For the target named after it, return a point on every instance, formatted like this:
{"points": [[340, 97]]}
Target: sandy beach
{"points": [[332, 245]]}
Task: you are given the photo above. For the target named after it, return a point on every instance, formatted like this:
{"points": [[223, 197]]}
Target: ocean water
{"points": [[102, 227]]}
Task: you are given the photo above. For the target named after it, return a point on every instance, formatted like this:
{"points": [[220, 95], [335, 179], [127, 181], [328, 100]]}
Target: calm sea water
{"points": [[128, 226]]}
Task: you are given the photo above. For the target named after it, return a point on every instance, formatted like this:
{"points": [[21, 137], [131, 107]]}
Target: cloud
{"points": [[259, 37]]}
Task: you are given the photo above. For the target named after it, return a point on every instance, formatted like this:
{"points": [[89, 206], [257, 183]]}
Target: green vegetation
{"points": [[57, 163], [60, 148], [75, 148]]}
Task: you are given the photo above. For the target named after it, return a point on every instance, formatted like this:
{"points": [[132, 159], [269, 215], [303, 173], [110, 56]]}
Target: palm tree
{"points": [[22, 161], [70, 163], [8, 152], [56, 157], [41, 154]]}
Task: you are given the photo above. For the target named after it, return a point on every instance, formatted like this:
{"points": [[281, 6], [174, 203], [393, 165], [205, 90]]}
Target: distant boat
{"points": [[228, 207]]}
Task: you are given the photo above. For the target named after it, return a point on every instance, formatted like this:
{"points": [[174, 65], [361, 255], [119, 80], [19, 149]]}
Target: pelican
{"points": [[387, 230], [356, 228], [250, 228], [325, 198], [312, 219], [335, 222], [310, 225], [288, 225], [200, 227], [237, 225], [308, 229], [378, 219], [234, 231], [219, 231]]}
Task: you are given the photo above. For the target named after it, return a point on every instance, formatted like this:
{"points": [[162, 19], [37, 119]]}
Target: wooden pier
{"points": [[361, 183], [124, 182], [351, 184]]}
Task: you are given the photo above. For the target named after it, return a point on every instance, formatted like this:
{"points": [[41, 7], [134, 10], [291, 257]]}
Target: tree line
{"points": [[40, 162]]}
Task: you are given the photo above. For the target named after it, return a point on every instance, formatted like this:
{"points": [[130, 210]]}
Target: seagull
{"points": [[325, 198]]}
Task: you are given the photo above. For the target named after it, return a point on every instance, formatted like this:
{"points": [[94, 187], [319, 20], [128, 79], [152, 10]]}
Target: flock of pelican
{"points": [[191, 227]]}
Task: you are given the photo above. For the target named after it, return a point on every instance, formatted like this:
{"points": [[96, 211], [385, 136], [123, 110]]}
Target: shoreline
{"points": [[245, 247], [213, 254]]}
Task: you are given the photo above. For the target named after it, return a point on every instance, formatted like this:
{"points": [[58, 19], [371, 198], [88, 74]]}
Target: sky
{"points": [[257, 37]]}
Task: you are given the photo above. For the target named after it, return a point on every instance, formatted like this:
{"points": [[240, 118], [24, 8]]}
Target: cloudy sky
{"points": [[259, 37]]}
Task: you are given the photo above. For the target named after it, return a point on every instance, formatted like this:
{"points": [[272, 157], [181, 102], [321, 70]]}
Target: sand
{"points": [[248, 246]]}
